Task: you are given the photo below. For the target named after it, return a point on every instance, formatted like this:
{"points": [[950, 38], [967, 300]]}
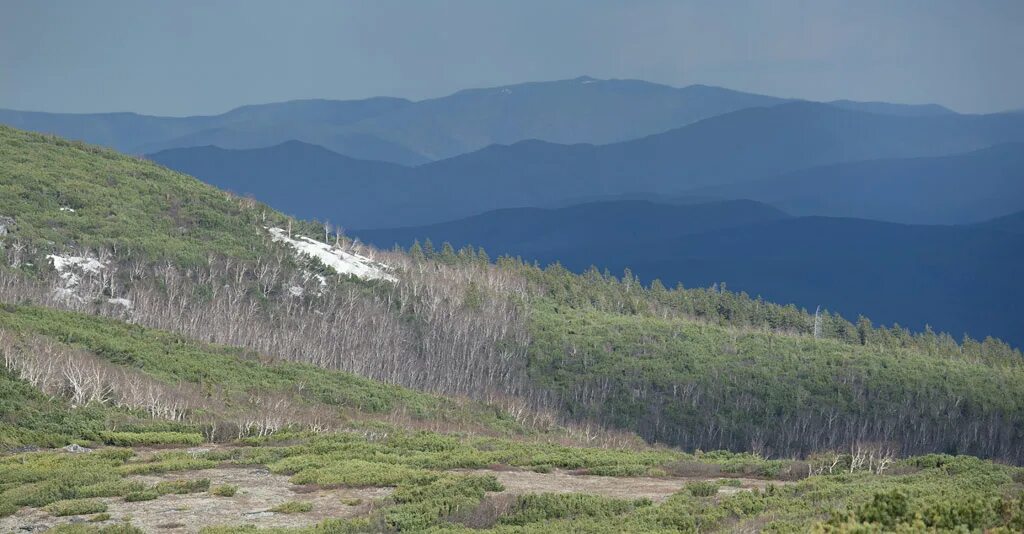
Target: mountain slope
{"points": [[63, 193], [956, 279], [304, 180], [285, 466], [954, 189], [698, 368], [736, 147]]}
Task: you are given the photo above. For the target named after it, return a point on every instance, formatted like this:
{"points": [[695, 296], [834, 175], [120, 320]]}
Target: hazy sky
{"points": [[198, 57]]}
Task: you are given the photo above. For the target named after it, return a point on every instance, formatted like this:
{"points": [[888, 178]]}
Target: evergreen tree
{"points": [[416, 251], [864, 329]]}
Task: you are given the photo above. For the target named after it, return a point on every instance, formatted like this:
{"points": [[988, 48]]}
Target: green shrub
{"points": [[7, 508], [135, 439], [224, 490], [111, 488], [422, 504], [144, 495], [76, 507], [182, 486], [293, 507], [182, 463], [702, 489], [534, 508], [360, 473], [99, 518]]}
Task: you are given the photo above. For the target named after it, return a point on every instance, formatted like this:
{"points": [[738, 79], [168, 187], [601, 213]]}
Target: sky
{"points": [[188, 57]]}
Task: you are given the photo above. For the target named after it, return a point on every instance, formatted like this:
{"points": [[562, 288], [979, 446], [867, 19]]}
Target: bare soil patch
{"points": [[655, 488], [259, 491]]}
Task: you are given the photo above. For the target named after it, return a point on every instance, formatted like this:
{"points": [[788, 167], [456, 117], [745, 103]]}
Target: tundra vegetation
{"points": [[186, 325]]}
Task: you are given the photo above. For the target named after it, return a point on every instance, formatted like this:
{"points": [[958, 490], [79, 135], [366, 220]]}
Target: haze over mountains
{"points": [[581, 110], [804, 202], [737, 147], [956, 189]]}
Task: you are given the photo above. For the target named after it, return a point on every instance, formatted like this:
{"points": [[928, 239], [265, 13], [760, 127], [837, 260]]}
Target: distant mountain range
{"points": [[545, 233], [957, 189], [954, 278], [737, 147], [320, 122], [1013, 223], [581, 110]]}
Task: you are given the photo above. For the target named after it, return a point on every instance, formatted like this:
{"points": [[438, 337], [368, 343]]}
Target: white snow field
{"points": [[340, 261]]}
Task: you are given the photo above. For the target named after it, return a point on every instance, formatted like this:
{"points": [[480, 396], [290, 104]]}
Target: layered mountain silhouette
{"points": [[956, 189], [887, 108], [954, 278], [581, 110], [741, 146], [545, 233], [1013, 223], [319, 122]]}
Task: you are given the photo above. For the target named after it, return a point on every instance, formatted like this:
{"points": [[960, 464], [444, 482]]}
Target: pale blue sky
{"points": [[202, 56]]}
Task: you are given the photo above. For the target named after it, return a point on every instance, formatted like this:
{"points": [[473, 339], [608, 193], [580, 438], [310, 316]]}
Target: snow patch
{"points": [[506, 91], [340, 261], [71, 269], [67, 208], [120, 302], [296, 291], [86, 263]]}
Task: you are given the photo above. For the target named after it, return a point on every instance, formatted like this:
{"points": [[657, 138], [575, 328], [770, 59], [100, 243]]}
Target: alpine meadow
{"points": [[587, 305]]}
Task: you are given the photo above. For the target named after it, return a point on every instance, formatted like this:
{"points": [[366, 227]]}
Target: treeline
{"points": [[718, 305], [456, 330], [698, 368], [708, 387]]}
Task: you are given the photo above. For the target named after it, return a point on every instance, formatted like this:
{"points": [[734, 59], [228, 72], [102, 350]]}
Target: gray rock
{"points": [[6, 225], [75, 448]]}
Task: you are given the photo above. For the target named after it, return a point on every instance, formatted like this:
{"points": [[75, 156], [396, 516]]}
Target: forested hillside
{"points": [[455, 323], [853, 266], [332, 267]]}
